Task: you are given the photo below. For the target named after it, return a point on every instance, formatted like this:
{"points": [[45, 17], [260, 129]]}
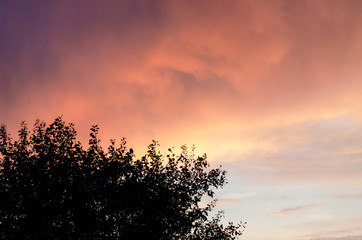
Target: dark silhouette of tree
{"points": [[51, 188]]}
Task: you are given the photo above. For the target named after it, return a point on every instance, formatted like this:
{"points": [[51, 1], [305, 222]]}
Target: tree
{"points": [[51, 188]]}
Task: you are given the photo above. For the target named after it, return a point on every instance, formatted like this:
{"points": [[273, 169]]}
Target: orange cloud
{"points": [[181, 72]]}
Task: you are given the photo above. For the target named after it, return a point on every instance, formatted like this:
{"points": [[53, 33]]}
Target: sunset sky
{"points": [[272, 90]]}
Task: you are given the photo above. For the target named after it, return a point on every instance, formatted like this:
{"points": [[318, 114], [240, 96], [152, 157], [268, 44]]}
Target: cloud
{"points": [[337, 227], [233, 198], [295, 209], [180, 72], [350, 195], [322, 152], [357, 237]]}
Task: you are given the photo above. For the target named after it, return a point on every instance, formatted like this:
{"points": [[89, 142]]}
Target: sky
{"points": [[271, 90]]}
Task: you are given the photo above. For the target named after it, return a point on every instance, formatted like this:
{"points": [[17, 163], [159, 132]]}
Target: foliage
{"points": [[51, 188]]}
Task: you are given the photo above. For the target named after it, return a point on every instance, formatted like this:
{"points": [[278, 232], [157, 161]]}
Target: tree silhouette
{"points": [[51, 188]]}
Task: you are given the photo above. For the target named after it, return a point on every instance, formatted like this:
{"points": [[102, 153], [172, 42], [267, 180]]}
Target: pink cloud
{"points": [[285, 211]]}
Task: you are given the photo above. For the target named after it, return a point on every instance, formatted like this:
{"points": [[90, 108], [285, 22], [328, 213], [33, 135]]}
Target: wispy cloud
{"points": [[323, 152], [233, 198], [356, 237], [350, 195], [285, 211]]}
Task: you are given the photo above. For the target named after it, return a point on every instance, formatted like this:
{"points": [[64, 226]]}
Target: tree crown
{"points": [[53, 188]]}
